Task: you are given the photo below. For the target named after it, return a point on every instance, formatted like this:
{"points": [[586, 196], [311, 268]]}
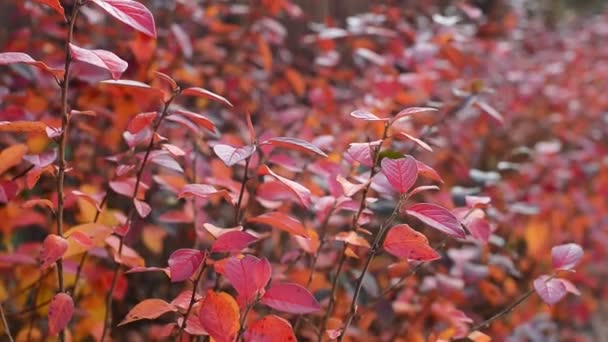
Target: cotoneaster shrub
{"points": [[200, 171]]}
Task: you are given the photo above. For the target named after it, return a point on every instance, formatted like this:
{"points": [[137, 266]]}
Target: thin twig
{"points": [[334, 285], [108, 312], [192, 301], [7, 328], [237, 214], [372, 253], [244, 318], [63, 139], [504, 311]]}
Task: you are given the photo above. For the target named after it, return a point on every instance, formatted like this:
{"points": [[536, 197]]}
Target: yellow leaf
{"points": [[11, 156]]}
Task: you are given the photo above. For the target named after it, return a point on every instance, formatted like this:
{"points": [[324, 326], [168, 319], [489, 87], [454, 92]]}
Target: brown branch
{"points": [[140, 171], [192, 301], [334, 285], [63, 139], [374, 250], [237, 214]]}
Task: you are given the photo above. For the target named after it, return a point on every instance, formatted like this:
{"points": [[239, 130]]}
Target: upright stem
{"points": [[504, 311], [63, 139], [192, 301], [342, 260], [374, 250], [140, 171], [7, 328], [244, 319], [237, 214]]}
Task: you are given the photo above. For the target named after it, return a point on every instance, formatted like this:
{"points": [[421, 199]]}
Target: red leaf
{"points": [[281, 221], [428, 172], [411, 111], [294, 143], [7, 58], [200, 92], [198, 119], [53, 248], [143, 208], [184, 262], [130, 12], [8, 190], [437, 217], [100, 58], [551, 290], [219, 316], [271, 328], [231, 155], [248, 276], [54, 4], [404, 242], [565, 257], [401, 173], [141, 121], [61, 310], [299, 190], [292, 298], [365, 115], [148, 309], [233, 241]]}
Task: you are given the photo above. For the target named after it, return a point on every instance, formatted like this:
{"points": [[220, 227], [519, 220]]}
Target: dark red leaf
{"points": [[248, 276], [184, 262], [233, 241]]}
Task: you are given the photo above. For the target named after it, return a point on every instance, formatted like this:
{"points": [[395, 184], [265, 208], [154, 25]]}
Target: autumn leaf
{"points": [[219, 316], [61, 310], [404, 242], [184, 262], [401, 173], [270, 328], [131, 13], [148, 309], [53, 248], [292, 298], [437, 217]]}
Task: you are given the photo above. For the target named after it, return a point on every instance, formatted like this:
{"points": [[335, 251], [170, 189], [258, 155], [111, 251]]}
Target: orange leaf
{"points": [[281, 221], [148, 309], [219, 315], [11, 156], [23, 126], [271, 328]]}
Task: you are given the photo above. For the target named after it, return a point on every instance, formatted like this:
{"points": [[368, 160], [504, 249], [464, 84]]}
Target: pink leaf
{"points": [[53, 248], [361, 153], [401, 173], [198, 119], [411, 111], [100, 58], [200, 92], [438, 218], [200, 190], [248, 276], [61, 310], [365, 115], [290, 297], [417, 141], [299, 190], [184, 262], [233, 241], [550, 290], [294, 143], [7, 58], [271, 328], [565, 257], [233, 155], [491, 111], [404, 242], [143, 208], [130, 12], [281, 221]]}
